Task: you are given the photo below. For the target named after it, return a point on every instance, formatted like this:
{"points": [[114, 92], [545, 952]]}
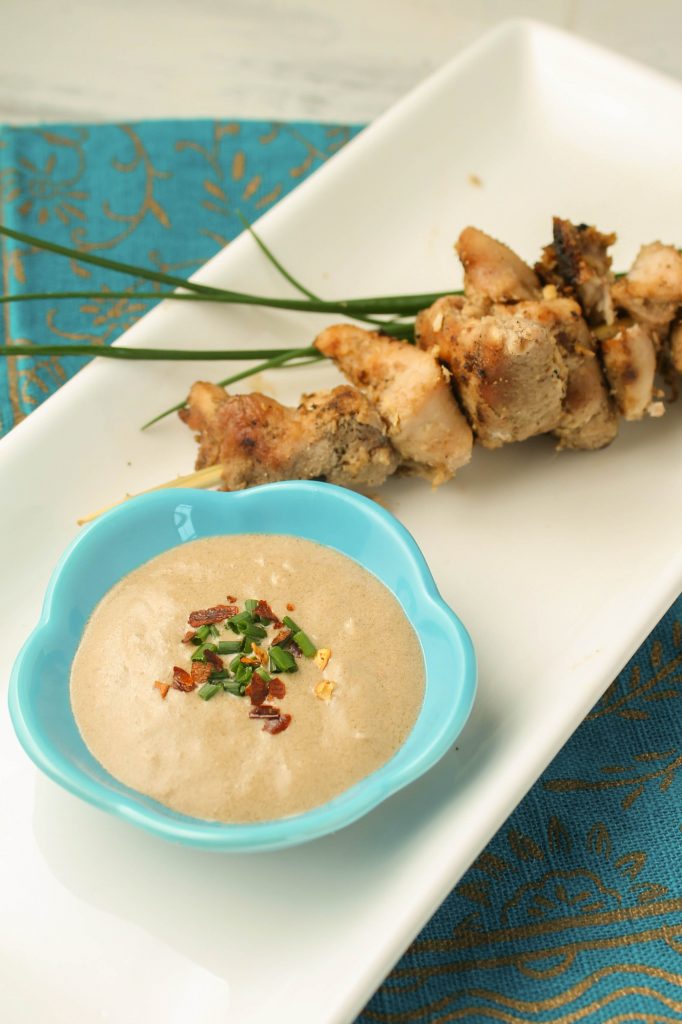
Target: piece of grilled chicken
{"points": [[650, 294], [334, 435], [578, 259], [609, 371], [651, 291], [412, 394], [509, 375], [676, 346], [589, 417], [522, 364], [493, 272]]}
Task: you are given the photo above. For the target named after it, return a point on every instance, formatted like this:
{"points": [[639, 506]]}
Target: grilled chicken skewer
{"points": [[562, 348]]}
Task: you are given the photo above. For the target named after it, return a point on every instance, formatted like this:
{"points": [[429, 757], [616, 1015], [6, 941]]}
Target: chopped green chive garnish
{"points": [[253, 632], [303, 641], [282, 661], [243, 674], [241, 617], [237, 620], [229, 646], [251, 629], [235, 688], [199, 654], [209, 690], [245, 624]]}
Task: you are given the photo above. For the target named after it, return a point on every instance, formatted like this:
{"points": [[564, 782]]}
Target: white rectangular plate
{"points": [[558, 564]]}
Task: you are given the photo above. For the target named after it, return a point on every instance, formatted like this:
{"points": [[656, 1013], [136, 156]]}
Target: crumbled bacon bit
{"points": [[257, 690], [291, 607], [182, 680], [273, 726], [163, 688], [189, 636], [200, 672], [264, 611], [214, 659], [207, 616], [264, 711], [281, 638], [277, 688]]}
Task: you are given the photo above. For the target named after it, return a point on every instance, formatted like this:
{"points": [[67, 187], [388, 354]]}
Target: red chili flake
{"points": [[264, 711], [182, 680], [250, 661], [163, 688], [230, 599], [291, 607], [264, 611], [273, 726], [277, 688], [214, 659], [207, 616], [189, 636], [281, 638], [257, 690], [200, 672]]}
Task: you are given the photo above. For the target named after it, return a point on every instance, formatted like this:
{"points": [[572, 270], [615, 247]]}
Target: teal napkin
{"points": [[162, 194], [574, 911]]}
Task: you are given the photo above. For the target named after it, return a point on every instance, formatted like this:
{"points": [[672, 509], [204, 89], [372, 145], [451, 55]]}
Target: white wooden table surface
{"points": [[335, 60]]}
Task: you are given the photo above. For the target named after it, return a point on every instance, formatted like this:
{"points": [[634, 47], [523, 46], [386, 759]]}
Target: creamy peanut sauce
{"points": [[208, 759]]}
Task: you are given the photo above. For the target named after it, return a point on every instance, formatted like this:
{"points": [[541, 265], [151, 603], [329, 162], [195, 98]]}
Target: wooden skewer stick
{"points": [[203, 478]]}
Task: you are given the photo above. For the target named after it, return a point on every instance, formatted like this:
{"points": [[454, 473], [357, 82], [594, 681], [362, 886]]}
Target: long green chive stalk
{"points": [[154, 354], [405, 305], [344, 307], [270, 256], [400, 306]]}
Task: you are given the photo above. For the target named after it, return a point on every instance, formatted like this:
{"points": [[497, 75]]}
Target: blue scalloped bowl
{"points": [[136, 531]]}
